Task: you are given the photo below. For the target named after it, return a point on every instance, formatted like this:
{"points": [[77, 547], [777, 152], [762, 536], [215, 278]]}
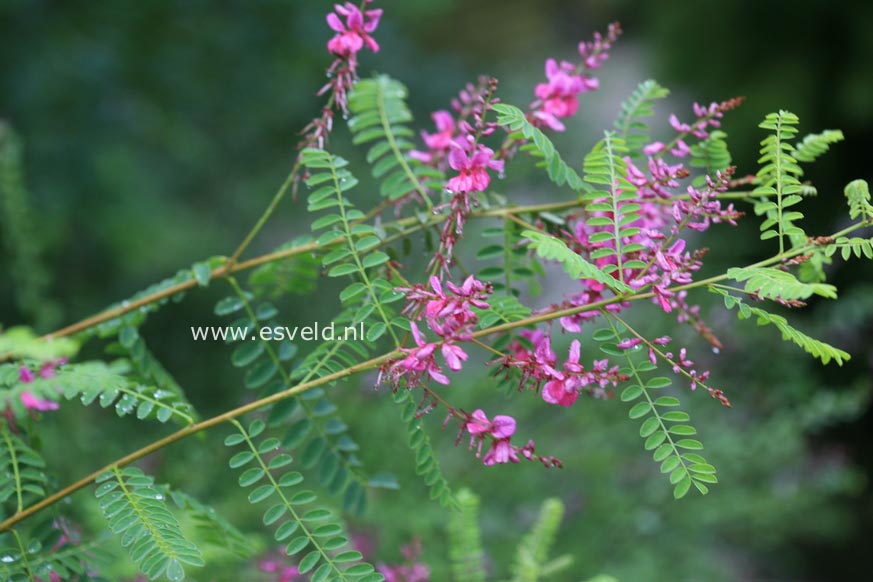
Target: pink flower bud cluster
{"points": [[449, 314]]}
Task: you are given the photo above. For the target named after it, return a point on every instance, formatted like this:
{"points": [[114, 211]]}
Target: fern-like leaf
{"points": [[711, 155], [776, 284], [816, 144], [779, 176], [517, 265], [554, 249], [311, 418], [666, 428], [849, 246], [540, 146], [639, 105], [212, 528], [110, 386], [605, 166], [816, 348], [314, 529], [137, 512], [532, 555], [858, 196], [22, 468], [426, 464], [379, 114], [465, 540], [71, 561]]}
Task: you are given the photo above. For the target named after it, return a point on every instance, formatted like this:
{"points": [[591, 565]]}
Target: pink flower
{"points": [[25, 374], [560, 392], [503, 427], [473, 168], [654, 148], [501, 452], [500, 431], [672, 259], [32, 402], [355, 33], [629, 343], [437, 143], [445, 128], [559, 96]]}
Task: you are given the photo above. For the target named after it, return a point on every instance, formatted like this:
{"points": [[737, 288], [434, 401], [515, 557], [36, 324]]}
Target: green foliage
{"points": [[297, 275], [539, 146], [779, 176], [110, 386], [148, 371], [211, 527], [554, 249], [315, 529], [532, 556], [711, 155], [849, 246], [311, 419], [816, 144], [638, 106], [39, 560], [137, 513], [858, 195], [28, 275], [516, 265], [816, 348], [379, 114], [21, 343], [369, 296], [24, 479], [605, 167], [465, 539], [502, 309], [135, 318], [774, 283], [663, 426], [426, 464]]}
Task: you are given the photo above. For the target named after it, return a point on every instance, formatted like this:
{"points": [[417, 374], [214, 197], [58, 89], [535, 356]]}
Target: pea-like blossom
{"points": [[32, 402], [472, 167], [500, 431], [439, 142], [558, 97], [354, 33]]}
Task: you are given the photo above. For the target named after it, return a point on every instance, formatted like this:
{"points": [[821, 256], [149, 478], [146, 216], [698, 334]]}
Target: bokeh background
{"points": [[156, 132]]}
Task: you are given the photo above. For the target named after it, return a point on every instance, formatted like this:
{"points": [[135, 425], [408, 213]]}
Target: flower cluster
{"points": [[456, 143], [498, 433], [558, 97], [449, 314], [539, 368], [26, 376], [353, 31]]}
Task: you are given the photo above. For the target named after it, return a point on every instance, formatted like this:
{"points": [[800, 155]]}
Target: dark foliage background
{"points": [[155, 133]]}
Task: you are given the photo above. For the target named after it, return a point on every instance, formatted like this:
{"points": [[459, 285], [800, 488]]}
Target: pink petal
{"points": [[335, 23], [504, 427]]}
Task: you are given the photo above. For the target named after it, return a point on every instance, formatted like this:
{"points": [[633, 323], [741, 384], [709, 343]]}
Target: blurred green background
{"points": [[156, 132]]}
